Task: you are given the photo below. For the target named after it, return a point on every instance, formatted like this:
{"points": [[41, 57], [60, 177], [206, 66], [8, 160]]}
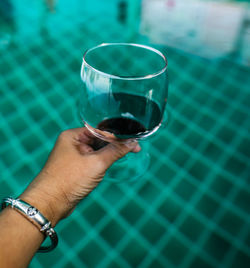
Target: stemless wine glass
{"points": [[123, 98]]}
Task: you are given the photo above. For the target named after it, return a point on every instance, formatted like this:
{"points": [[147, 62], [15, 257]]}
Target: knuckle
{"points": [[64, 135]]}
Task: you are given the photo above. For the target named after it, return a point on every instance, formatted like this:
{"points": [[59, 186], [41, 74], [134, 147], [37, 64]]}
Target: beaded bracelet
{"points": [[34, 215]]}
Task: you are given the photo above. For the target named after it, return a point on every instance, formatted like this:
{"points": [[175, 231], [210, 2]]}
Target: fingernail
{"points": [[132, 145], [137, 148]]}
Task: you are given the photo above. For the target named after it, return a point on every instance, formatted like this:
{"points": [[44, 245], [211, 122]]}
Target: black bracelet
{"points": [[34, 215]]}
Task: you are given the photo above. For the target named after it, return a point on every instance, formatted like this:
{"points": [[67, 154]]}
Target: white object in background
{"points": [[172, 22], [245, 41], [207, 28], [221, 27]]}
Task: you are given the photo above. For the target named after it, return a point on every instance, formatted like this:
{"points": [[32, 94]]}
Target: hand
{"points": [[72, 171]]}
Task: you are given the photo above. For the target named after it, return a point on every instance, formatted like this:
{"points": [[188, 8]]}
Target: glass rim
{"points": [[148, 76]]}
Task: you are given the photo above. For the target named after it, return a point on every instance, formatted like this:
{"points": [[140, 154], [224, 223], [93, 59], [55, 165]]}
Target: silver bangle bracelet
{"points": [[35, 217]]}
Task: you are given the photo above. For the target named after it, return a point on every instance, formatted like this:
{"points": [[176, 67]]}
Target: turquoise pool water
{"points": [[191, 209]]}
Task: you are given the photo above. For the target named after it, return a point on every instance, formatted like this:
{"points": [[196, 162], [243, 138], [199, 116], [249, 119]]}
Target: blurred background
{"points": [[192, 207]]}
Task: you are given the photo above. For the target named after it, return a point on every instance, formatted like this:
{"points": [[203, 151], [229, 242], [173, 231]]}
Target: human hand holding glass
{"points": [[123, 98]]}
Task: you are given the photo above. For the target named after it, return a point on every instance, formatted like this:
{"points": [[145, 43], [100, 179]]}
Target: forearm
{"points": [[19, 239]]}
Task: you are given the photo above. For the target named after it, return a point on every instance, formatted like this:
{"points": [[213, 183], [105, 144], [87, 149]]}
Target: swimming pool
{"points": [[191, 209]]}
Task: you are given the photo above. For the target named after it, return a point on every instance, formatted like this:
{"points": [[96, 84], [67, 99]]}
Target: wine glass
{"points": [[122, 99]]}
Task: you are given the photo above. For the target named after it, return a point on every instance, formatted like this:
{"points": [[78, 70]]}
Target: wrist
{"points": [[43, 195], [42, 204]]}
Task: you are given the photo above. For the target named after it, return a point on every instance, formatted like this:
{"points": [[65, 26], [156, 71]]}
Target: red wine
{"points": [[137, 115], [124, 115], [122, 126]]}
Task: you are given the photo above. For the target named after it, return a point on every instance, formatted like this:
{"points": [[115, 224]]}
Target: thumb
{"points": [[114, 151]]}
